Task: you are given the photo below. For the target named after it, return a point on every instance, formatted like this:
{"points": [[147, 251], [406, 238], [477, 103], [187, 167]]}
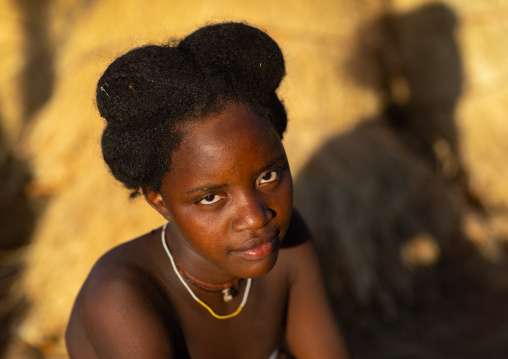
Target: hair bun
{"points": [[237, 55], [146, 85]]}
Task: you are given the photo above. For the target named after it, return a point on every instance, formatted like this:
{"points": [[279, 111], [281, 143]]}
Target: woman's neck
{"points": [[196, 268]]}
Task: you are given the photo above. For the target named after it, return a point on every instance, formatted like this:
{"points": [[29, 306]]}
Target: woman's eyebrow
{"points": [[205, 189], [276, 160]]}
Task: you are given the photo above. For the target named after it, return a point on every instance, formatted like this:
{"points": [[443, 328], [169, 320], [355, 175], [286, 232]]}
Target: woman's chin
{"points": [[261, 267]]}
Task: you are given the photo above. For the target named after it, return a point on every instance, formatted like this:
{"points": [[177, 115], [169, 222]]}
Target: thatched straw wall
{"points": [[54, 52]]}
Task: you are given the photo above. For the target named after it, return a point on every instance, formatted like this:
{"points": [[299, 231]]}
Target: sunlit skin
{"points": [[228, 198]]}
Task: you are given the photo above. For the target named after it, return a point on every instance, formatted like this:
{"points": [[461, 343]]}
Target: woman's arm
{"points": [[312, 331]]}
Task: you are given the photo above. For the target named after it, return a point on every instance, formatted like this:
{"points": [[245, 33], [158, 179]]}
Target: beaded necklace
{"points": [[228, 289], [206, 306]]}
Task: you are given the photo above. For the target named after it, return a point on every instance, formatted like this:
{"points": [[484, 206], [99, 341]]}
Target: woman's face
{"points": [[228, 195]]}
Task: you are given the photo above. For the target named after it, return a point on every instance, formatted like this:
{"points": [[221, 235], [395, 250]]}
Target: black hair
{"points": [[149, 93]]}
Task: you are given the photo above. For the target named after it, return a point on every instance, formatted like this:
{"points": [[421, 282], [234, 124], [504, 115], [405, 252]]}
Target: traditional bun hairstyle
{"points": [[149, 93]]}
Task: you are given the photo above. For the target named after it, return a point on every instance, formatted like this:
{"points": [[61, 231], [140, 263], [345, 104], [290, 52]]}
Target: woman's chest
{"points": [[253, 333]]}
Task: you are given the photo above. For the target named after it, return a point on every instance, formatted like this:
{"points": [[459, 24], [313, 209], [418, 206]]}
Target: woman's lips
{"points": [[260, 251]]}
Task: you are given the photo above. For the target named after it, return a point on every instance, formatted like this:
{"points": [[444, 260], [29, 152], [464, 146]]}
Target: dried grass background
{"points": [[409, 205]]}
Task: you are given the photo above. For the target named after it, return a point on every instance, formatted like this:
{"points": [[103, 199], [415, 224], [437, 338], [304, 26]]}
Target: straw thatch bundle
{"points": [[380, 205]]}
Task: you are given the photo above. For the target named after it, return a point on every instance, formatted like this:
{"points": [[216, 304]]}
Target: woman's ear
{"points": [[155, 200]]}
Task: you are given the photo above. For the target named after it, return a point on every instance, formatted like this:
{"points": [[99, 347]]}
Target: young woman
{"points": [[196, 128]]}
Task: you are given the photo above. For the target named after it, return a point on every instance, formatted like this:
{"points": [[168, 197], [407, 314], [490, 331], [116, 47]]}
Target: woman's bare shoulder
{"points": [[311, 330], [122, 269], [119, 311], [297, 250]]}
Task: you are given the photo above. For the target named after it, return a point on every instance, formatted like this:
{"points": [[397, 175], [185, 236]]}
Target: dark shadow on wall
{"points": [[17, 209], [386, 200], [17, 221]]}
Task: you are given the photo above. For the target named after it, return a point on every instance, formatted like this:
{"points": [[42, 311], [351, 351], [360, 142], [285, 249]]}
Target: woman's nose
{"points": [[251, 214]]}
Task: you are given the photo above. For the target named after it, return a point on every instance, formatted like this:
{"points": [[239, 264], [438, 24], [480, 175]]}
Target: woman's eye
{"points": [[269, 177], [210, 199]]}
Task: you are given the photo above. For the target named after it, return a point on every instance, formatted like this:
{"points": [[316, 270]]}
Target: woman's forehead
{"points": [[232, 139], [236, 126]]}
